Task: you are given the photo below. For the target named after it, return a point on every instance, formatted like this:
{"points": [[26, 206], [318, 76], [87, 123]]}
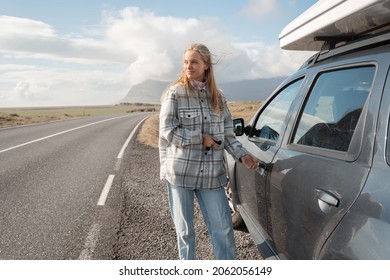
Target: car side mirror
{"points": [[240, 128]]}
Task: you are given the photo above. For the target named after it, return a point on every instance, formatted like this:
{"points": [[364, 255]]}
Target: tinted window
{"points": [[270, 123], [332, 110]]}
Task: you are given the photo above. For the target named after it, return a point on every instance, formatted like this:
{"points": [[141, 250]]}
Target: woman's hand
{"points": [[210, 141], [249, 162]]}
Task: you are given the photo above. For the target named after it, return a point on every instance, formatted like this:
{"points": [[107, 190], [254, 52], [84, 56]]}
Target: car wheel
{"points": [[238, 222]]}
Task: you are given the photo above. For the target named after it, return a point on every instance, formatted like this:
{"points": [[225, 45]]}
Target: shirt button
{"points": [[205, 118]]}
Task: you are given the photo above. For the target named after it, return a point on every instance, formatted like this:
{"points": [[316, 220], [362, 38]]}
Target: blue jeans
{"points": [[216, 214]]}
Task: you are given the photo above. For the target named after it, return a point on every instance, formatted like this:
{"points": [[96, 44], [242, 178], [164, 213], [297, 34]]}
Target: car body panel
{"points": [[364, 231], [312, 202]]}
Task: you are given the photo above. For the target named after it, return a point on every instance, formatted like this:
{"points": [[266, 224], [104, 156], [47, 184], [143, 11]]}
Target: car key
{"points": [[210, 150]]}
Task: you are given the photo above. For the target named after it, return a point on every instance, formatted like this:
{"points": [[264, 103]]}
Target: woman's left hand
{"points": [[249, 162]]}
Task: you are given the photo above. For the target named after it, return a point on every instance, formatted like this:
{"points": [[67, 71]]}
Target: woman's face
{"points": [[194, 66]]}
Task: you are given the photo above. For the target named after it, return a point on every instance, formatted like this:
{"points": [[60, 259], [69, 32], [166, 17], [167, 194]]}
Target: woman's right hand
{"points": [[210, 141]]}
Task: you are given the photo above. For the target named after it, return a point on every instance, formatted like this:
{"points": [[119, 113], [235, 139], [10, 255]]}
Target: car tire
{"points": [[238, 222]]}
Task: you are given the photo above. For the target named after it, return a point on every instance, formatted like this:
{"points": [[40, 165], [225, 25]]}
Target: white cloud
{"points": [[261, 9], [42, 86], [12, 26], [25, 38], [99, 66]]}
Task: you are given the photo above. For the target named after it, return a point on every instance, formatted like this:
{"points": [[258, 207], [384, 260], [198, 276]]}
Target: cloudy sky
{"points": [[91, 52]]}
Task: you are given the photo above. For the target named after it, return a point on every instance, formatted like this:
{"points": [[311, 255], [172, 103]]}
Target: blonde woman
{"points": [[195, 128]]}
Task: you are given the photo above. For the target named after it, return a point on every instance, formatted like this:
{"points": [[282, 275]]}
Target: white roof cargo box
{"points": [[329, 19]]}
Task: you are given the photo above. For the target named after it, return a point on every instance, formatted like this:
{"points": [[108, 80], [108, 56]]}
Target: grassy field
{"points": [[149, 130], [20, 116]]}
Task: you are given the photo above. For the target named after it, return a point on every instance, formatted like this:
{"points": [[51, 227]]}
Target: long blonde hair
{"points": [[215, 94]]}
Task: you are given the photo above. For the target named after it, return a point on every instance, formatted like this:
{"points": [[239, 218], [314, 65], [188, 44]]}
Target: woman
{"points": [[195, 128]]}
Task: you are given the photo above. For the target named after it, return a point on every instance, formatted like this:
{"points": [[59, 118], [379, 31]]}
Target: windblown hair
{"points": [[215, 94]]}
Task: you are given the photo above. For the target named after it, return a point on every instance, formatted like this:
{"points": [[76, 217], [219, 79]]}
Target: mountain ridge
{"points": [[150, 91]]}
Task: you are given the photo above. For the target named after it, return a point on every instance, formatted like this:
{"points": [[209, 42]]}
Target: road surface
{"points": [[58, 198]]}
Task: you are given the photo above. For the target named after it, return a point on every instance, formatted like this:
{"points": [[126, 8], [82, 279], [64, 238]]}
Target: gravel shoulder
{"points": [[146, 231]]}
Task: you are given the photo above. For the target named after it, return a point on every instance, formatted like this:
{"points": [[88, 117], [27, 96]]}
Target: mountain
{"points": [[250, 90], [247, 90], [149, 91]]}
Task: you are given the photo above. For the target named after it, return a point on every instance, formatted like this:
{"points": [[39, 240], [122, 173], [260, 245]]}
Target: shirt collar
{"points": [[198, 85]]}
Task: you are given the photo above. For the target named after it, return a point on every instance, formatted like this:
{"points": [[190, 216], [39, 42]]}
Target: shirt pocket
{"points": [[190, 119]]}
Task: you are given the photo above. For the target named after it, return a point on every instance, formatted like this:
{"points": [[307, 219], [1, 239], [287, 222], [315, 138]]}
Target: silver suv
{"points": [[323, 144]]}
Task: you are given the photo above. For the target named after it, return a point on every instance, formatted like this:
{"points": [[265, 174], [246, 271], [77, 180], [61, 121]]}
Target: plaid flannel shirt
{"points": [[184, 160]]}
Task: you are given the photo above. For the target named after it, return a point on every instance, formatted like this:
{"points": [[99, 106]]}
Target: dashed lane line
{"points": [[93, 234], [90, 243], [106, 190]]}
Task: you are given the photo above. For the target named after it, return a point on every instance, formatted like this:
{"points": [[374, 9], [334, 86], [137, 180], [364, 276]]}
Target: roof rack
{"points": [[348, 45], [330, 49], [332, 42]]}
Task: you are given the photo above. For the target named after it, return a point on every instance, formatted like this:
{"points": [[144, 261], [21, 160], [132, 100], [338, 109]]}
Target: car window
{"points": [[333, 108], [269, 124]]}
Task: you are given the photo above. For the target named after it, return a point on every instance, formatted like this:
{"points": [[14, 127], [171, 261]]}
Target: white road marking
{"points": [[120, 155], [59, 133], [93, 234], [106, 190], [90, 243], [128, 140]]}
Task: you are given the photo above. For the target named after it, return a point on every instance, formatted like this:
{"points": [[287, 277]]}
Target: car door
{"points": [[262, 142], [320, 168], [367, 223]]}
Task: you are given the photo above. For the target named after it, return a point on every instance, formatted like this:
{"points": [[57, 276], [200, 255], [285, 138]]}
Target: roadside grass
{"points": [[245, 110], [148, 133], [21, 116]]}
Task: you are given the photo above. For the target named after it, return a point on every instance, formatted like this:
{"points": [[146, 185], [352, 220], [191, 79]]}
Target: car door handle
{"points": [[262, 167], [262, 164], [327, 197]]}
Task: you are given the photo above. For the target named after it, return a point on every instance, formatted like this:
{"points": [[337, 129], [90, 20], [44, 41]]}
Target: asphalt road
{"points": [[57, 187]]}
